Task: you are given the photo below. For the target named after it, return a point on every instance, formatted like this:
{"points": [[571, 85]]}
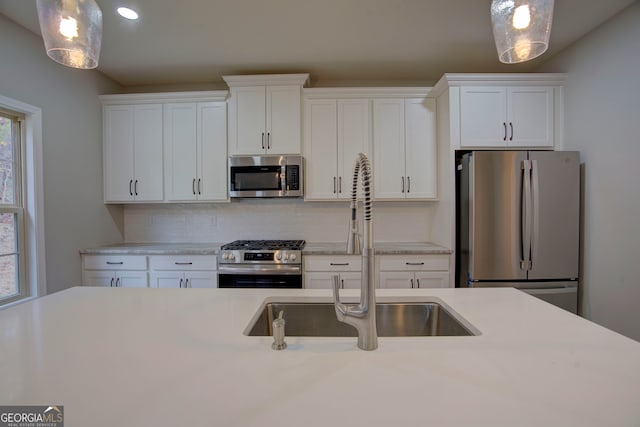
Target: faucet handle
{"points": [[341, 309]]}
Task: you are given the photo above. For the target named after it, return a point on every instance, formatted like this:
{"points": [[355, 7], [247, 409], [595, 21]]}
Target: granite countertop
{"points": [[310, 248], [167, 357], [155, 249]]}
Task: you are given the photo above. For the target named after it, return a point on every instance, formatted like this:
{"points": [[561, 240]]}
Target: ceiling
{"points": [[410, 41]]}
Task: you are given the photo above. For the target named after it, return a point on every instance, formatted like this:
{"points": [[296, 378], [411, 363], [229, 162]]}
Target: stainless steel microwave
{"points": [[265, 176]]}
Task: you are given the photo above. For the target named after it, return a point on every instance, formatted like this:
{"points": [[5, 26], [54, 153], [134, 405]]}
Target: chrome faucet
{"points": [[363, 315]]}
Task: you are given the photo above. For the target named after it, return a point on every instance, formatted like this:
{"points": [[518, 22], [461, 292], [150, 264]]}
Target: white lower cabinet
{"points": [[413, 271], [116, 271], [183, 271], [319, 271]]}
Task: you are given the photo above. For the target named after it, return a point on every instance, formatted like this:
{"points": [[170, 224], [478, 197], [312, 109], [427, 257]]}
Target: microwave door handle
{"points": [[283, 178]]}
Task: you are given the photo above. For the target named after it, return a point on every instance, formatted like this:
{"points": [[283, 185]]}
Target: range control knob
{"points": [[278, 256], [225, 255], [232, 256], [293, 257]]}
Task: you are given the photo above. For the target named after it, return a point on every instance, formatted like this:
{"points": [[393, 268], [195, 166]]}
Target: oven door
{"points": [[260, 276]]}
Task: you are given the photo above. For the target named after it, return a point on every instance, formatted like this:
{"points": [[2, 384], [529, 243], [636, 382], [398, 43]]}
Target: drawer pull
{"points": [[414, 263], [338, 263], [115, 263], [183, 263]]}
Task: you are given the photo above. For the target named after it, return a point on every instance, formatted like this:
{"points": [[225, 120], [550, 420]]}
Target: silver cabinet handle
{"points": [[187, 283], [417, 283], [183, 263], [338, 263], [199, 186], [511, 126], [408, 184], [268, 140], [342, 283], [411, 283], [181, 280], [334, 185], [414, 263], [118, 281], [263, 140], [504, 138], [130, 190], [115, 262], [135, 188], [111, 285], [402, 184], [340, 184]]}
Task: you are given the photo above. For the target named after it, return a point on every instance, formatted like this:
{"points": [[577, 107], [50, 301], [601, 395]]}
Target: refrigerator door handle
{"points": [[525, 219], [535, 202]]}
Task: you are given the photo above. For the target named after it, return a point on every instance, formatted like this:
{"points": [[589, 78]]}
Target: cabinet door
{"points": [[132, 279], [432, 279], [530, 116], [319, 280], [283, 119], [353, 138], [420, 146], [388, 149], [212, 151], [350, 280], [148, 184], [168, 279], [397, 279], [247, 134], [483, 116], [321, 149], [201, 279], [181, 151], [98, 278], [118, 153]]}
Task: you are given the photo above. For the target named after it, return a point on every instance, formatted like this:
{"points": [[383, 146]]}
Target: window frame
{"points": [[35, 283], [17, 207]]}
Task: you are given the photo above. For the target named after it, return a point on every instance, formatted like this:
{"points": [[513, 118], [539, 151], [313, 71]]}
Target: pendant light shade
{"points": [[72, 31], [521, 28]]}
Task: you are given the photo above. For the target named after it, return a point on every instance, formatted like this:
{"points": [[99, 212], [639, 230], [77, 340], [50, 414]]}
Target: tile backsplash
{"points": [[271, 219]]}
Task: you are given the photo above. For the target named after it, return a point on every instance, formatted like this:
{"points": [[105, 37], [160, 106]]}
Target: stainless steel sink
{"points": [[394, 319]]}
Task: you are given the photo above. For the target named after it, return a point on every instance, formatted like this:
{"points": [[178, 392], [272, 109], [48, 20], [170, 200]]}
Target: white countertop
{"points": [[169, 357], [310, 248]]}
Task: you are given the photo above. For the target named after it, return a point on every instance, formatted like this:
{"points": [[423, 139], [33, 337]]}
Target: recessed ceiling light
{"points": [[125, 12]]}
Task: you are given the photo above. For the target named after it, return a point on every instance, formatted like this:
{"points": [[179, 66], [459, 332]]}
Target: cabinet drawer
{"points": [[414, 262], [114, 262], [333, 263], [183, 262]]}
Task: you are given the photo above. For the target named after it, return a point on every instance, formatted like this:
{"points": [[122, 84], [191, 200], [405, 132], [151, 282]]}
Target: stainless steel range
{"points": [[261, 264]]}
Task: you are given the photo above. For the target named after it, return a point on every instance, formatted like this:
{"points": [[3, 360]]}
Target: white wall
{"points": [[603, 123], [272, 219], [75, 216]]}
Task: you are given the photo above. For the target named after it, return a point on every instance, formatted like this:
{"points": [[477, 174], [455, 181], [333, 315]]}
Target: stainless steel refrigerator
{"points": [[518, 222]]}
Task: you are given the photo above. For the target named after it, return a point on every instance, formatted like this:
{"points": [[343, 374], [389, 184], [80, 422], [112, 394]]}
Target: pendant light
{"points": [[521, 28], [72, 31]]}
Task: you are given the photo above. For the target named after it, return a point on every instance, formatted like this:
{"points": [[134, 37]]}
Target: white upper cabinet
{"points": [[506, 116], [498, 111], [132, 153], [196, 151], [265, 114], [336, 130], [404, 148]]}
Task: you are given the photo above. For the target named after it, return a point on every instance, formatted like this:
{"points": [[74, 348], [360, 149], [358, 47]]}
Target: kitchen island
{"points": [[167, 357]]}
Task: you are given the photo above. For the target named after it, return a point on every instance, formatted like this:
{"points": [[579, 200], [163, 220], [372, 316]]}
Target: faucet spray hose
{"points": [[362, 162]]}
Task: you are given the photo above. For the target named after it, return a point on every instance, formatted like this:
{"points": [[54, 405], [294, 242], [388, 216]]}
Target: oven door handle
{"points": [[258, 269]]}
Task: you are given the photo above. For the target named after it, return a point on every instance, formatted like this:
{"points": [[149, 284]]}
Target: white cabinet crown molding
{"points": [[366, 92], [164, 97], [267, 80], [496, 79]]}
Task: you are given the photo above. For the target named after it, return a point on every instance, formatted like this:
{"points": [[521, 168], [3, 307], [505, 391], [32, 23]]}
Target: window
{"points": [[13, 280]]}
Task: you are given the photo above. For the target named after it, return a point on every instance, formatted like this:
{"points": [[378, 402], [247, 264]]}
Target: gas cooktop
{"points": [[264, 245]]}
